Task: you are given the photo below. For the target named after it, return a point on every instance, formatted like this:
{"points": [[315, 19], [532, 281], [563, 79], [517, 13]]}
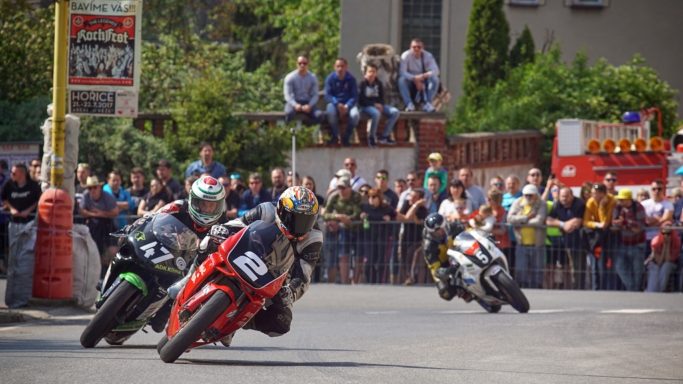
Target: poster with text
{"points": [[104, 57]]}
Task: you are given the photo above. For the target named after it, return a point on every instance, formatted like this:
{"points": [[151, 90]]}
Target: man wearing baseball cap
{"points": [[527, 214], [628, 224], [435, 168]]}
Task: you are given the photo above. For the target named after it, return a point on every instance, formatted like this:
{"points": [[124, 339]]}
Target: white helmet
{"points": [[207, 201]]}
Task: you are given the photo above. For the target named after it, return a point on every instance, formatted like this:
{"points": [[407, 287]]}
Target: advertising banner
{"points": [[104, 57]]}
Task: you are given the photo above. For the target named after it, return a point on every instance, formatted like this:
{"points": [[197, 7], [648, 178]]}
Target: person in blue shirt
{"points": [[254, 195], [341, 94], [124, 201], [205, 164]]}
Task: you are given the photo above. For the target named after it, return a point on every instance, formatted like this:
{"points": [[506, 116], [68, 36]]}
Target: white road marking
{"points": [[381, 312], [3, 329], [547, 310], [632, 311]]}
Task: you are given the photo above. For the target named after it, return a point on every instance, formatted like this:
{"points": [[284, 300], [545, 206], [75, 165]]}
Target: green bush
{"points": [[535, 95]]}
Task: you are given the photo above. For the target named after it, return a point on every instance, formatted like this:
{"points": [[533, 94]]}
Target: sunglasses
{"points": [[534, 174], [656, 189], [381, 177], [611, 179], [303, 63], [363, 191], [497, 184]]}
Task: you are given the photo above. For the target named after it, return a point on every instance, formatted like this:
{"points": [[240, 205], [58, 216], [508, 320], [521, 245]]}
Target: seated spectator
{"points": [[341, 94], [371, 102], [301, 93], [418, 80], [157, 197]]}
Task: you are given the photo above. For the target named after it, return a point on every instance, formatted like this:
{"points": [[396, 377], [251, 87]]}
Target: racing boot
{"points": [[227, 340], [447, 290], [174, 290]]}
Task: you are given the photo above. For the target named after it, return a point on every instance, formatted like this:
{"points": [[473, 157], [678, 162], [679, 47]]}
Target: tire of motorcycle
{"points": [[106, 317], [161, 343], [495, 308], [194, 328], [511, 291], [118, 338]]}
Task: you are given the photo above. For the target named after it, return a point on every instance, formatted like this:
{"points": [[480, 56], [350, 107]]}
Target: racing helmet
{"points": [[297, 211], [434, 221], [207, 201]]}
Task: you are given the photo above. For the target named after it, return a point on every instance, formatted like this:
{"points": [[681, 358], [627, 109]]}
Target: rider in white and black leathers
{"points": [[295, 215]]}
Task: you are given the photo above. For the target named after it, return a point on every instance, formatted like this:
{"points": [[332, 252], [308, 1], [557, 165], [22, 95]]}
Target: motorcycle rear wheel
{"points": [[106, 318], [192, 331], [511, 292]]}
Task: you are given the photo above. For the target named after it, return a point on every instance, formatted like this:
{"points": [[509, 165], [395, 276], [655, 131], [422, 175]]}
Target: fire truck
{"points": [[586, 150]]}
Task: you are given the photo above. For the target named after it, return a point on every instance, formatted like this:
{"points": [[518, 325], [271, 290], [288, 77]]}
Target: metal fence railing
{"points": [[391, 253]]}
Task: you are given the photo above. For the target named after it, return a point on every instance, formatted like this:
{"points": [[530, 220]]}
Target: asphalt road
{"points": [[384, 334]]}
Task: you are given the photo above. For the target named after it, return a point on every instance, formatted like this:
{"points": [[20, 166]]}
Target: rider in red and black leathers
{"points": [[305, 242]]}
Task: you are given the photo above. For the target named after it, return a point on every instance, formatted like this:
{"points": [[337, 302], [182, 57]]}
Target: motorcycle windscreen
{"points": [[174, 236], [248, 257]]}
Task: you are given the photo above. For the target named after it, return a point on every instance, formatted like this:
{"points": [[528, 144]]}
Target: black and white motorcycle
{"points": [[479, 271]]}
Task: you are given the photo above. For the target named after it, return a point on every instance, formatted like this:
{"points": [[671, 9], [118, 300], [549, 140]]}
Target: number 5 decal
{"points": [[252, 265]]}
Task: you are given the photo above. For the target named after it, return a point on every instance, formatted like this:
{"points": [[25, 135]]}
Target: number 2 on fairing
{"points": [[252, 265]]}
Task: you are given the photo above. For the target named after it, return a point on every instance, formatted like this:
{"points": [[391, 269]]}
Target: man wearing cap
{"points": [[527, 214], [205, 164], [596, 221], [164, 172], [628, 228], [99, 210], [349, 170], [341, 210], [435, 168], [567, 215]]}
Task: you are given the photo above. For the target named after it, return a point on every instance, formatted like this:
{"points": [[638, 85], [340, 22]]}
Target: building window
{"points": [[422, 19], [525, 3], [587, 3]]}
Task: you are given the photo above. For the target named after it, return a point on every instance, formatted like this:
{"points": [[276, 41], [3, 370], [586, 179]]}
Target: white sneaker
{"points": [[410, 107], [428, 107]]}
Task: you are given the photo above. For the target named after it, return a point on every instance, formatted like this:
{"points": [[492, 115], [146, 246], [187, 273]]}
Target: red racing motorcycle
{"points": [[226, 290]]}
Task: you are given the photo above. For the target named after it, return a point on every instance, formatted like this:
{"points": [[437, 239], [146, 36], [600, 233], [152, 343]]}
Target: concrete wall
{"points": [[323, 162], [617, 32]]}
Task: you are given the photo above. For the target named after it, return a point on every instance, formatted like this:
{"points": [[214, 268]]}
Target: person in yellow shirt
{"points": [[527, 215], [596, 221]]}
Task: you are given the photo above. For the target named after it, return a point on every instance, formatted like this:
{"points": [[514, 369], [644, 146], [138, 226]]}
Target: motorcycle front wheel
{"points": [[108, 315], [192, 331], [511, 291]]}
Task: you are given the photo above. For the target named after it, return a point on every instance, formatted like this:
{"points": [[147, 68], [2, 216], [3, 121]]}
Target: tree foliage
{"points": [[108, 143], [524, 49], [536, 94], [486, 48]]}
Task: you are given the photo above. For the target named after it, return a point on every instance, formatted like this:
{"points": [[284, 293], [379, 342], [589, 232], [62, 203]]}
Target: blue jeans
{"points": [[406, 86], [390, 112], [351, 121], [658, 276], [314, 116], [628, 263], [529, 264]]}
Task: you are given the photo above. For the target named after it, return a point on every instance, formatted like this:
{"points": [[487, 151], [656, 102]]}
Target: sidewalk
{"points": [[38, 309]]}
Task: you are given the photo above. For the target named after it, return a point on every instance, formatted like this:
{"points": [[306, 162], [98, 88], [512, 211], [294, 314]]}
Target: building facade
{"points": [[613, 29]]}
